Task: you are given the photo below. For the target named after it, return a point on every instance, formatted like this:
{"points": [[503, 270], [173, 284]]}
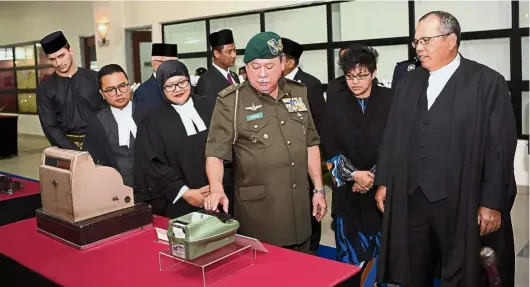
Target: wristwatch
{"points": [[323, 191]]}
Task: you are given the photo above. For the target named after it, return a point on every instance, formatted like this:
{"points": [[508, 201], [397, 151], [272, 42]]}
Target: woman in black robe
{"points": [[354, 124], [169, 164]]}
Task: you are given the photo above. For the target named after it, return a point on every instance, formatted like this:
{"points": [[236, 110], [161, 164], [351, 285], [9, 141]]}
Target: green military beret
{"points": [[265, 45]]}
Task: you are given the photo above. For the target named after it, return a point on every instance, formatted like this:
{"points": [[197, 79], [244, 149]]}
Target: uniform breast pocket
{"points": [[299, 125], [256, 133]]}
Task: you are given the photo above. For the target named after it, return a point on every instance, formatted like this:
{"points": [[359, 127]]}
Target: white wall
{"points": [[30, 21]]}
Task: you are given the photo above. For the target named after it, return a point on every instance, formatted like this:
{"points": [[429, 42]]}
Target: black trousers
{"points": [[316, 227], [427, 229]]}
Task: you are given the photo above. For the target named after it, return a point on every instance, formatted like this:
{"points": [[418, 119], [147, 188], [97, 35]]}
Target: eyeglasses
{"points": [[173, 87], [425, 40], [113, 91], [358, 77]]}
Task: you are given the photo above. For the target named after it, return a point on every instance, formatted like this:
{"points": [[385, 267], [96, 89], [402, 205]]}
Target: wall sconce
{"points": [[103, 29]]}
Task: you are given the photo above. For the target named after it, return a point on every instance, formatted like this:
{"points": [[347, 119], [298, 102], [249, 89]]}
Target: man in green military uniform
{"points": [[266, 122]]}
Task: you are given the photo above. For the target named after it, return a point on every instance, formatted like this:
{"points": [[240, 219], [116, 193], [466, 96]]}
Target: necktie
{"points": [[230, 81]]}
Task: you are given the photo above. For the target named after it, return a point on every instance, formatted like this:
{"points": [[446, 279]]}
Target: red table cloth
{"points": [[30, 187], [133, 261]]}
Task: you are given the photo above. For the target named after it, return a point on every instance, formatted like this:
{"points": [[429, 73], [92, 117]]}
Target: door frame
{"points": [[137, 38]]}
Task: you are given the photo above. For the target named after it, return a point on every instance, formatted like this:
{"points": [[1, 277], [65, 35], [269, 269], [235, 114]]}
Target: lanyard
{"points": [[363, 103]]}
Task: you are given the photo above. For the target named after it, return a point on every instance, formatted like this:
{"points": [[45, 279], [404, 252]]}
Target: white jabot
{"points": [[223, 71], [190, 116], [439, 78], [126, 124], [292, 74]]}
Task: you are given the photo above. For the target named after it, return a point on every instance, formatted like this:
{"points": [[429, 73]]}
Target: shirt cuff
{"points": [[181, 192]]}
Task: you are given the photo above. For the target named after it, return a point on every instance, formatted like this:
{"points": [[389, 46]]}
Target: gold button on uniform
{"points": [[282, 123], [294, 185], [256, 127], [288, 142], [292, 163], [265, 136]]}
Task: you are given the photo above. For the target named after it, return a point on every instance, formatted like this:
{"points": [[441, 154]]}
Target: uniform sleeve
{"points": [[48, 121], [221, 132], [151, 168], [501, 142], [312, 137]]}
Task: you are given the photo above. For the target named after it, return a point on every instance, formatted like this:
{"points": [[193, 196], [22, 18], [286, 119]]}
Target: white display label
{"points": [[178, 250]]}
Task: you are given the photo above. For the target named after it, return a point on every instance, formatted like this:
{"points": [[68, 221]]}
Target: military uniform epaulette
{"points": [[293, 81], [229, 90]]}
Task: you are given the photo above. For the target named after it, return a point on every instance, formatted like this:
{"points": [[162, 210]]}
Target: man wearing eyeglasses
{"points": [[111, 133], [445, 167], [148, 93]]}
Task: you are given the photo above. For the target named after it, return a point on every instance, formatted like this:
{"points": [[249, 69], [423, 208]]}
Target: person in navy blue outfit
{"points": [[148, 93]]}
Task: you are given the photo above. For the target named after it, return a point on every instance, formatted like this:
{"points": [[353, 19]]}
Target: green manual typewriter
{"points": [[199, 233]]}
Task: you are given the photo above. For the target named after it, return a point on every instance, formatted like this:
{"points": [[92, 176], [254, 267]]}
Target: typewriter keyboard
{"points": [[224, 217]]}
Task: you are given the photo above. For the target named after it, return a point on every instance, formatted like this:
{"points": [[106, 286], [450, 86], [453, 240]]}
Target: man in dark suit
{"points": [[293, 51], [403, 67], [148, 93], [219, 77], [445, 171]]}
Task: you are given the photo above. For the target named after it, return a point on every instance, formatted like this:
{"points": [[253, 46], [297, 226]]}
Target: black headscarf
{"points": [[170, 69]]}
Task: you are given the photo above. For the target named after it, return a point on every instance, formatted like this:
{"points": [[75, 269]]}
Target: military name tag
{"points": [[255, 116], [294, 105]]}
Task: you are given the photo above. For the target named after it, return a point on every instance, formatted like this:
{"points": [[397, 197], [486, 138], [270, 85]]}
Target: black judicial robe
{"points": [[102, 141], [315, 96], [166, 158], [482, 149], [212, 82], [149, 93], [64, 105]]}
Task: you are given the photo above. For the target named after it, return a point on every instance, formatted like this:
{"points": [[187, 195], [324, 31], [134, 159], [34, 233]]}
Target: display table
{"points": [[22, 204], [8, 136], [133, 261]]}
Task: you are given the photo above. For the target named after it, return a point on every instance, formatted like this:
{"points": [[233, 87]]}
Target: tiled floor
{"points": [[31, 147]]}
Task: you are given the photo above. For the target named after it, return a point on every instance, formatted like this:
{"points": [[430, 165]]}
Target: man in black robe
{"points": [[445, 168], [148, 93], [67, 98], [218, 77], [111, 132], [293, 51], [169, 160]]}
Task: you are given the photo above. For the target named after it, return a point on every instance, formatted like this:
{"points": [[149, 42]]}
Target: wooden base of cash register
{"points": [[98, 230]]}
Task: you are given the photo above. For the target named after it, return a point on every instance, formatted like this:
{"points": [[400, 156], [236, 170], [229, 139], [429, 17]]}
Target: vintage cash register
{"points": [[84, 204], [199, 233]]}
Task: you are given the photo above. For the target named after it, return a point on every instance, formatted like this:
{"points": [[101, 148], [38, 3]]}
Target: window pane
{"points": [[6, 57], [24, 56], [239, 63], [42, 59], [524, 57], [352, 16], [523, 13], [193, 63], [243, 28], [26, 79], [389, 56], [7, 80], [493, 15], [316, 64], [303, 25], [525, 118], [190, 37], [493, 53], [8, 103], [45, 73], [27, 103]]}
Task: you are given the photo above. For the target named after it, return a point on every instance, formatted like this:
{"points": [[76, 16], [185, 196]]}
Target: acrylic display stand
{"points": [[213, 266]]}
